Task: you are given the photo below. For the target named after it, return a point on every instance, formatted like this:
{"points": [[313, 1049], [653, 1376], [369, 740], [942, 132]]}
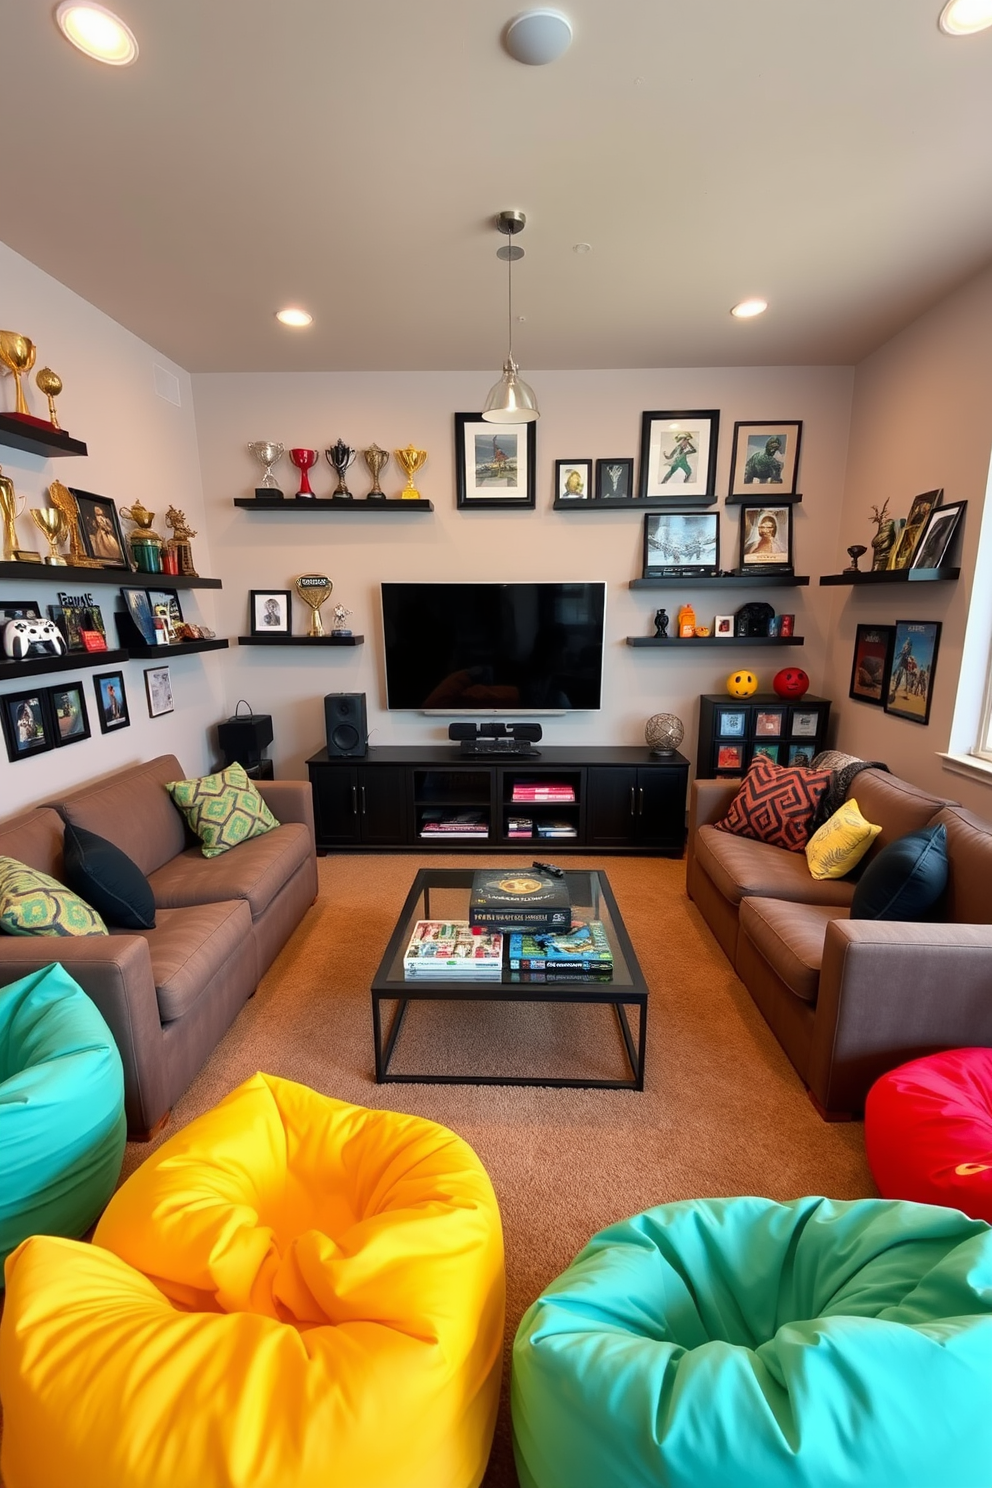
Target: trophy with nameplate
{"points": [[50, 521], [314, 590], [375, 458], [411, 460], [268, 453], [339, 457]]}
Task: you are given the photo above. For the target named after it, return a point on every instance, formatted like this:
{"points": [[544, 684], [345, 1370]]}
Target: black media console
{"points": [[398, 798]]}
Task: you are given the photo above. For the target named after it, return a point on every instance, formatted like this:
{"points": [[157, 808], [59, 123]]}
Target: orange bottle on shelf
{"points": [[687, 621]]}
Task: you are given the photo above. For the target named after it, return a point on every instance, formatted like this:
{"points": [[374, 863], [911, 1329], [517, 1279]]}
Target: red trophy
{"points": [[304, 460]]}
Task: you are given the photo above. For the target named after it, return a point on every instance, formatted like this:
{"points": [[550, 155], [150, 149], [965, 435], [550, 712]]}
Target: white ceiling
{"points": [[833, 156]]}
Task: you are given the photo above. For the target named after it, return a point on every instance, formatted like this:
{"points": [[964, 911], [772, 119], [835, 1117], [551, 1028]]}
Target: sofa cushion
{"points": [[108, 879], [256, 871], [223, 809], [969, 855], [739, 867], [790, 938], [189, 947], [35, 838], [895, 804], [134, 811], [34, 903], [840, 844], [775, 804], [906, 880]]}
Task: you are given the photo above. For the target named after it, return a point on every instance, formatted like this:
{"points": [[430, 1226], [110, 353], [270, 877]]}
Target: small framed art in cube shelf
{"points": [[100, 528], [872, 657], [678, 455], [495, 464], [765, 453], [158, 688], [573, 480], [804, 723], [765, 751], [681, 544], [909, 692], [614, 479], [730, 757], [68, 707], [111, 701], [270, 612], [768, 724], [27, 723], [766, 539], [731, 723]]}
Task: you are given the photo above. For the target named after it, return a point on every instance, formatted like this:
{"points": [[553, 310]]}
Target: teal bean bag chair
{"points": [[62, 1127], [739, 1343]]}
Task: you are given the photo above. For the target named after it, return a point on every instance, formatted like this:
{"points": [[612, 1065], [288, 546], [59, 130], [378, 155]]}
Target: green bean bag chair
{"points": [[62, 1127], [739, 1343]]}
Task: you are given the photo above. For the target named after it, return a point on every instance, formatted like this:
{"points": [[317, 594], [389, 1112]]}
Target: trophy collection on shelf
{"points": [[340, 456], [17, 356]]}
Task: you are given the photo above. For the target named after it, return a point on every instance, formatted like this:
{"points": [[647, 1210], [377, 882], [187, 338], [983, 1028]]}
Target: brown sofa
{"points": [[849, 999], [169, 994]]}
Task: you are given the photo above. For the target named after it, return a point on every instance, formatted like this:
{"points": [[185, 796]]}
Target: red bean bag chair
{"points": [[928, 1131]]}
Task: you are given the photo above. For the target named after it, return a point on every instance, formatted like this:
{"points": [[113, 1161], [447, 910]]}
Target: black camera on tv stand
{"points": [[497, 738]]}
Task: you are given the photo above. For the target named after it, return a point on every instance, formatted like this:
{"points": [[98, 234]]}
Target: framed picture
{"points": [[111, 701], [19, 609], [139, 610], [165, 606], [766, 539], [68, 711], [801, 755], [768, 724], [573, 480], [678, 455], [730, 757], [870, 668], [935, 540], [614, 480], [731, 723], [765, 453], [765, 751], [158, 687], [723, 626], [100, 529], [909, 537], [909, 692], [27, 723], [495, 464], [681, 543], [804, 724], [270, 611], [79, 619]]}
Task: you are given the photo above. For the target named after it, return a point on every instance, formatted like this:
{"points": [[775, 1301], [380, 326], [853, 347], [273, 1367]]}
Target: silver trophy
{"points": [[339, 457], [267, 453]]}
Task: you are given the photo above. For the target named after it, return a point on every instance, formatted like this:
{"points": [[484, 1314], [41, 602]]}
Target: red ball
{"points": [[790, 682]]}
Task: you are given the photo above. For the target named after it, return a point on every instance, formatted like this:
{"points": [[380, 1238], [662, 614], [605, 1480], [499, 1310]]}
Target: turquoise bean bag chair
{"points": [[62, 1127], [739, 1343]]}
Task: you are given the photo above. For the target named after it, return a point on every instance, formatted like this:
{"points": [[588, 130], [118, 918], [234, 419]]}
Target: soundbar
{"points": [[530, 732], [501, 746]]}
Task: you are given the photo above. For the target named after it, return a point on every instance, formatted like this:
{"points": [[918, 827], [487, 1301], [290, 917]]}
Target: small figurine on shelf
{"points": [[661, 623], [146, 545], [885, 537], [687, 622], [182, 535], [340, 616], [854, 553]]}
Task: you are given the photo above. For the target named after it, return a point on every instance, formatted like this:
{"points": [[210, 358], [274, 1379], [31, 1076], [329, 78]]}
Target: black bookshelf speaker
{"points": [[346, 724], [243, 738]]}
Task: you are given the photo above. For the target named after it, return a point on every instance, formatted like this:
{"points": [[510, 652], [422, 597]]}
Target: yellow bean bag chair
{"points": [[290, 1293]]}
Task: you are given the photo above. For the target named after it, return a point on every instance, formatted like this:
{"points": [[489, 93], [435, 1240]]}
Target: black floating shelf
{"points": [[325, 504], [38, 439], [894, 576], [764, 496], [630, 503], [35, 665], [181, 648], [58, 573], [727, 581], [291, 640], [675, 644]]}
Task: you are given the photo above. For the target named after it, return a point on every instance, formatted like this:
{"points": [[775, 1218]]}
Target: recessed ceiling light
{"points": [[965, 17], [747, 308], [96, 31], [293, 317], [581, 247], [538, 36]]}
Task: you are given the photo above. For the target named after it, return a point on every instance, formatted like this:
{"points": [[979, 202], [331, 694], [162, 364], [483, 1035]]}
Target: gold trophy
{"points": [[52, 523], [375, 458], [314, 590], [9, 512], [146, 545], [411, 460], [50, 384], [64, 501], [180, 542], [17, 355]]}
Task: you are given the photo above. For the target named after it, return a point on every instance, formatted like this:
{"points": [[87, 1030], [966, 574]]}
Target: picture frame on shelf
{"points": [[67, 706], [615, 479], [139, 612], [801, 755], [765, 453], [100, 530], [730, 757], [765, 540], [681, 544], [111, 701], [871, 663], [19, 609], [804, 723], [80, 620], [934, 546], [768, 723], [762, 750], [573, 480], [270, 612], [731, 723], [165, 606], [723, 627], [495, 464], [909, 537], [909, 690], [158, 690], [678, 455], [28, 728]]}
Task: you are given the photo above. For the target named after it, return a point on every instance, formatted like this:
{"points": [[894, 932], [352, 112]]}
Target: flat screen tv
{"points": [[494, 648]]}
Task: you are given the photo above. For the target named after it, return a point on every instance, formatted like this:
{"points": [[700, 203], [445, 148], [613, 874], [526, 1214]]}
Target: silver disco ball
{"points": [[663, 733]]}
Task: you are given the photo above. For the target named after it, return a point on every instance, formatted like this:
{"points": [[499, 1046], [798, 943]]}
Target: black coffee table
{"points": [[443, 893]]}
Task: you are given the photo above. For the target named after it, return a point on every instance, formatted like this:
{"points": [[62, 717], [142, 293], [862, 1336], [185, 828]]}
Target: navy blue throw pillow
{"points": [[107, 878], [906, 880]]}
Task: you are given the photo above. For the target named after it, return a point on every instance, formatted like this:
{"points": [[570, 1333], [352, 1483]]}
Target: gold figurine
{"points": [[50, 384], [182, 535], [9, 512], [52, 523], [64, 501], [411, 460], [17, 354]]}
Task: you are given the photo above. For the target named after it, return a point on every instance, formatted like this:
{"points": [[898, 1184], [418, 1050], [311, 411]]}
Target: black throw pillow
{"points": [[906, 880], [105, 877]]}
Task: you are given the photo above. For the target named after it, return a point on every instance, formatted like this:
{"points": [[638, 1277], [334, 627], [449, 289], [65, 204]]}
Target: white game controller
{"points": [[19, 635]]}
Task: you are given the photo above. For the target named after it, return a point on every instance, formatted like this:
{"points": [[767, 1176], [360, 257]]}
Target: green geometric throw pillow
{"points": [[32, 903], [222, 809]]}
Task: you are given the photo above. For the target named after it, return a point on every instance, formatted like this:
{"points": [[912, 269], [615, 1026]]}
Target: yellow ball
{"points": [[742, 684]]}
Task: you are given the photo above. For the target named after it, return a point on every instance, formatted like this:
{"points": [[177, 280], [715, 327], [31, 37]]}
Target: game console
{"points": [[20, 635]]}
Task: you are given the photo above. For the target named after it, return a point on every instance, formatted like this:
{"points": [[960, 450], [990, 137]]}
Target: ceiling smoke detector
{"points": [[538, 36]]}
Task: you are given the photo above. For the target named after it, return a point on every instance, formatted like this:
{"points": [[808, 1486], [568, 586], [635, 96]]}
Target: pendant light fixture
{"points": [[510, 400]]}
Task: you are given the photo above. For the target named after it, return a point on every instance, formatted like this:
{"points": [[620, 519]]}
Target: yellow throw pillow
{"points": [[840, 844], [33, 903], [222, 809]]}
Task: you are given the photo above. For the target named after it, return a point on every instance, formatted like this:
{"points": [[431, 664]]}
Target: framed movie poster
{"points": [[495, 464], [573, 480], [100, 528], [870, 669], [270, 611], [614, 480], [69, 716], [681, 544], [765, 454], [909, 692], [766, 539], [111, 701], [27, 724], [678, 455]]}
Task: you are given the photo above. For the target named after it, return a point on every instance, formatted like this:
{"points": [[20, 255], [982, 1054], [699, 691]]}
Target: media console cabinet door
{"points": [[358, 805], [637, 807]]}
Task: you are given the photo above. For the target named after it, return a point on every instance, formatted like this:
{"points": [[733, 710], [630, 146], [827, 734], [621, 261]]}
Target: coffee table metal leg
{"points": [[384, 1055], [635, 1056]]}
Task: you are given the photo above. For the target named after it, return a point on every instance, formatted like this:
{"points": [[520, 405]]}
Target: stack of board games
{"points": [[520, 899], [451, 948], [584, 952]]}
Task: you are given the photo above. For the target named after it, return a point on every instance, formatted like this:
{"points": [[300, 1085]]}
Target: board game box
{"points": [[519, 899], [585, 948], [446, 948]]}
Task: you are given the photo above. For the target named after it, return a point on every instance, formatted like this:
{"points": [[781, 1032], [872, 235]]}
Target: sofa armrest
{"points": [[890, 992], [710, 801], [289, 801]]}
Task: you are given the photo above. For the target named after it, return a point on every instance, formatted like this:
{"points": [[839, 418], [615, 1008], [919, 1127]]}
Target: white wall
{"points": [[141, 447], [583, 415]]}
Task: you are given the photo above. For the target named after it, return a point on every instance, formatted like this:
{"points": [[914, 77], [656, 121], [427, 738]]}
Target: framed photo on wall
{"points": [[678, 455], [27, 723], [573, 480], [934, 545], [766, 539], [270, 612], [909, 692], [68, 708], [614, 480], [158, 687], [681, 544], [765, 453], [495, 464], [100, 529], [111, 701], [870, 668]]}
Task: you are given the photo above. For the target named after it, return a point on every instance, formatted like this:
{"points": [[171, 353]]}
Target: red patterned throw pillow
{"points": [[776, 805]]}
